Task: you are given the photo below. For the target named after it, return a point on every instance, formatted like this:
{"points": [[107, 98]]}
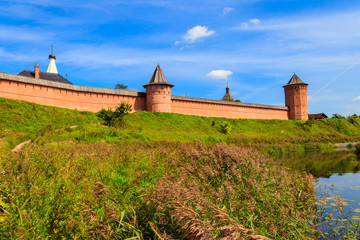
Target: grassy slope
{"points": [[25, 120], [20, 121], [154, 177], [164, 126]]}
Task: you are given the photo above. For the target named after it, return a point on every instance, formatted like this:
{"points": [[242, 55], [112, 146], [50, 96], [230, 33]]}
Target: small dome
{"points": [[52, 56]]}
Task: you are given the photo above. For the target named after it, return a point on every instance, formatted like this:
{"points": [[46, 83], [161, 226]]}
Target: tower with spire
{"points": [[296, 98], [227, 96], [158, 92], [52, 66]]}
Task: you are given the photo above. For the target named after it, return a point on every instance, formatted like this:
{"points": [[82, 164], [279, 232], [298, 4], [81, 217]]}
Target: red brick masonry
{"points": [[296, 96], [93, 99]]}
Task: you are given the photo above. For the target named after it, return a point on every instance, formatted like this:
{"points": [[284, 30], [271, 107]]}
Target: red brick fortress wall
{"points": [[93, 99], [215, 108], [66, 95]]}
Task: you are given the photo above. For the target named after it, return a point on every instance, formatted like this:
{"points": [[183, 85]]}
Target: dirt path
{"points": [[21, 145]]}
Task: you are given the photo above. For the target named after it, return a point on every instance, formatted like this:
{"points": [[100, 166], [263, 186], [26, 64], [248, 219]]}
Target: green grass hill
{"points": [[21, 121], [161, 176]]}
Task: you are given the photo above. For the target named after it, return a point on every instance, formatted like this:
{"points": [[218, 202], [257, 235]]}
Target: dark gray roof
{"points": [[158, 78], [227, 96], [295, 80], [45, 76]]}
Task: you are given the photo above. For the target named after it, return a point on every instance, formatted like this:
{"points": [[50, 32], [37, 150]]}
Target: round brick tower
{"points": [[158, 92], [296, 98]]}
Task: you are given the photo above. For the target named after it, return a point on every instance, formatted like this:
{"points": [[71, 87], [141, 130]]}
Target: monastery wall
{"points": [[66, 95], [215, 108], [93, 99]]}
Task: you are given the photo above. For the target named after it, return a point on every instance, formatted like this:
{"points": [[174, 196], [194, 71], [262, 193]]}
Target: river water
{"points": [[337, 190]]}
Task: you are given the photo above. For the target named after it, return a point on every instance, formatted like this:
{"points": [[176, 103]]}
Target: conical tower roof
{"points": [[227, 96], [295, 80], [158, 78]]}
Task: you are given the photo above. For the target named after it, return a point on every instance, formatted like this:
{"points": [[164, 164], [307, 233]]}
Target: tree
{"points": [[115, 118], [120, 86], [335, 115]]}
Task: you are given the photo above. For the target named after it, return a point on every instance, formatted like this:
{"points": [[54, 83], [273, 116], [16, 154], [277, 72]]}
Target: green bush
{"points": [[115, 118], [225, 127]]}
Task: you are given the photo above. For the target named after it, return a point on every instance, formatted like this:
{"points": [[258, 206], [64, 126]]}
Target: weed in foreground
{"points": [[232, 192]]}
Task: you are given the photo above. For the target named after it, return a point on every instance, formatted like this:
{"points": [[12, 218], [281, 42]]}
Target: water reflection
{"points": [[338, 204], [324, 164], [337, 189]]}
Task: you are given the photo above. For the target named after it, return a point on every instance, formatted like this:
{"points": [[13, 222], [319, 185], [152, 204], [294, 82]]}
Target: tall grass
{"points": [[232, 192], [172, 190]]}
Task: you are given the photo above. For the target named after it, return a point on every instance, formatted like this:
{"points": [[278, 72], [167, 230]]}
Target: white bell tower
{"points": [[52, 66]]}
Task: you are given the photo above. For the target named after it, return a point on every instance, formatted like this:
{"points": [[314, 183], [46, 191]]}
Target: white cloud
{"points": [[322, 29], [196, 33], [227, 10], [250, 22], [357, 98], [254, 21], [219, 74]]}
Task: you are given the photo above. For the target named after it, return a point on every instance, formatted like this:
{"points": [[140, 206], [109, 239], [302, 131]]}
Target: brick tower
{"points": [[158, 92], [296, 98]]}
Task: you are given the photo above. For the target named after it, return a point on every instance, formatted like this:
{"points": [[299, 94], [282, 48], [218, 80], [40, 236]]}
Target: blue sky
{"points": [[201, 45]]}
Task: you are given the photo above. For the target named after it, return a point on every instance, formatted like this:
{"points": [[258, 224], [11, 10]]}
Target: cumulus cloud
{"points": [[219, 74], [357, 98], [196, 33], [227, 10]]}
